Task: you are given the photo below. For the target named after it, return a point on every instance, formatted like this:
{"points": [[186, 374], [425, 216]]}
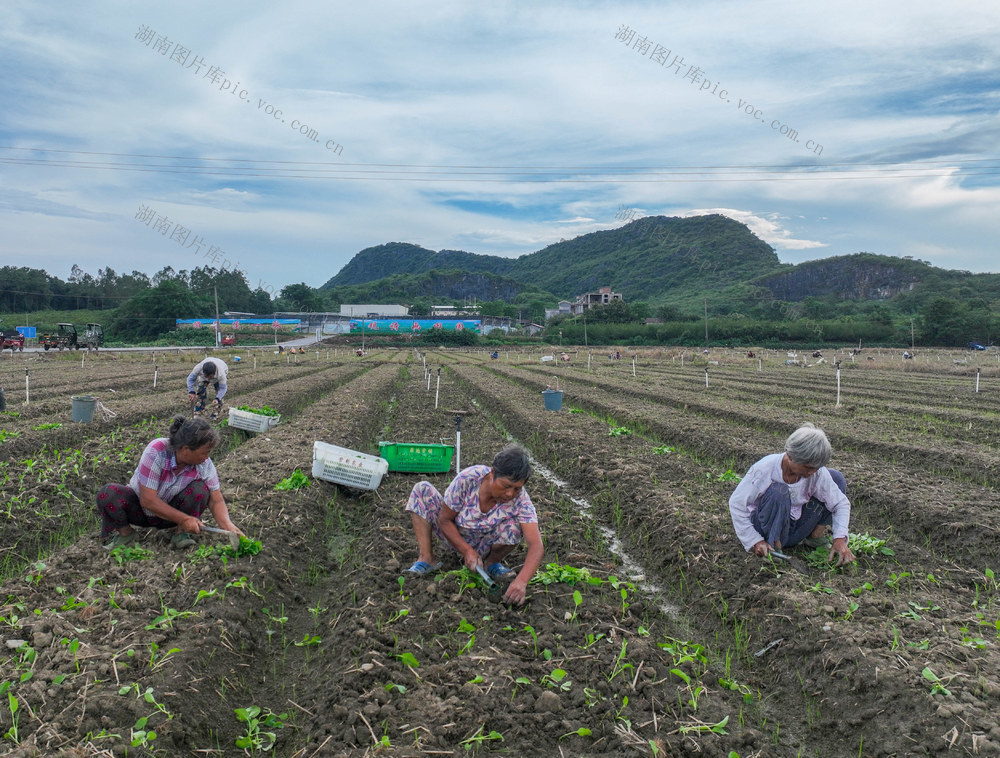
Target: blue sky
{"points": [[496, 128]]}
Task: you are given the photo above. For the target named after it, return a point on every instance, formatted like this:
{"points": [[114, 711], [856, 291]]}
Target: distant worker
{"points": [[790, 498], [212, 371]]}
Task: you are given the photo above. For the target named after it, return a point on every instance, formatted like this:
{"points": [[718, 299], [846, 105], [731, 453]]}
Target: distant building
{"points": [[565, 308], [451, 310], [363, 310], [603, 296]]}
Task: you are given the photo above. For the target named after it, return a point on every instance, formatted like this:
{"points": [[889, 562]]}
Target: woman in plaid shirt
{"points": [[172, 485]]}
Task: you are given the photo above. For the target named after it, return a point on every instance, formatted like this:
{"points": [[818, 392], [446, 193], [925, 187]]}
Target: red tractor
{"points": [[12, 340], [229, 340]]}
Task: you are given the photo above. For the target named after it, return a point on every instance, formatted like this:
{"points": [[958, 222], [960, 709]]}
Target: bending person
{"points": [[212, 371], [483, 515], [790, 498], [172, 486]]}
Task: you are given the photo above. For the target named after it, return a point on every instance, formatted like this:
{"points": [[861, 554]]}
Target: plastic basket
{"points": [[348, 467], [417, 457], [251, 422]]}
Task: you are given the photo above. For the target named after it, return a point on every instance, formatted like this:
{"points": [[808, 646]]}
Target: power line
{"points": [[247, 168]]}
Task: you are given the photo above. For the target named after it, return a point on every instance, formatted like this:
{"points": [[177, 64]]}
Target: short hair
{"points": [[209, 368], [512, 463], [809, 446], [192, 433]]}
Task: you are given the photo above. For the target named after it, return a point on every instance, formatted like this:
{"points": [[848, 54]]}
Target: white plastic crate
{"points": [[348, 467], [251, 422]]}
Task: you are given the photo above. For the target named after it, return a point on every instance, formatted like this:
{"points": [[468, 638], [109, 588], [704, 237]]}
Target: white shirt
{"points": [[766, 472]]}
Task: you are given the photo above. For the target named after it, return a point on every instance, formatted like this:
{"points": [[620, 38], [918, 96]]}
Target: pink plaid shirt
{"points": [[156, 470]]}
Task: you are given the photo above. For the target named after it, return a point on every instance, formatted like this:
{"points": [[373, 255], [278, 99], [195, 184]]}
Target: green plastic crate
{"points": [[416, 457]]}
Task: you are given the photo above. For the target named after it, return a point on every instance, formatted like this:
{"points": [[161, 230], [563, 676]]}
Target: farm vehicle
{"points": [[67, 337], [229, 340], [11, 340]]}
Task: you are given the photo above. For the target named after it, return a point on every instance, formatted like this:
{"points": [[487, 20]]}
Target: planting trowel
{"points": [[493, 590], [234, 538]]}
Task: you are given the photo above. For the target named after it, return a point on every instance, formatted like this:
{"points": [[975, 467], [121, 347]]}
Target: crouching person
{"points": [[483, 515], [790, 498], [173, 484]]}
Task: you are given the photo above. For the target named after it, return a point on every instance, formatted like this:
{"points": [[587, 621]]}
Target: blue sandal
{"points": [[422, 568], [500, 573]]}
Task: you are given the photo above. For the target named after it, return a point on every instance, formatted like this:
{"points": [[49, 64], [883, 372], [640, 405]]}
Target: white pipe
{"points": [[838, 387], [437, 391], [155, 371], [27, 389], [977, 380], [458, 451]]}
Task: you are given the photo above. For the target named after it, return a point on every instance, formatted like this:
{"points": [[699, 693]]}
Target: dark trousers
{"points": [[773, 519], [118, 506]]}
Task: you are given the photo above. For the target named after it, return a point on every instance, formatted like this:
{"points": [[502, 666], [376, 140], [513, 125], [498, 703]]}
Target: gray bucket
{"points": [[83, 408], [553, 399]]}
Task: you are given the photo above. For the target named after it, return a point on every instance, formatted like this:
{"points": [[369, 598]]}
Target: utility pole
{"points": [[218, 325]]}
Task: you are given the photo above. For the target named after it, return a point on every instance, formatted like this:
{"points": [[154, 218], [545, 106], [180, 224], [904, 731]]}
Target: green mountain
{"points": [[652, 258], [661, 260]]}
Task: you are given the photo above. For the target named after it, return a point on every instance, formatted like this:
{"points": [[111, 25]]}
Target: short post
{"points": [[588, 361], [82, 356], [977, 381], [155, 371], [758, 365], [682, 360], [428, 373], [288, 360], [437, 390], [27, 387], [255, 361], [838, 387], [706, 377], [458, 444], [633, 365]]}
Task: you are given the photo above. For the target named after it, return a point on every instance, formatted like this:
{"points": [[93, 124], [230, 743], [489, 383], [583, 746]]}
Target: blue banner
{"points": [[413, 325]]}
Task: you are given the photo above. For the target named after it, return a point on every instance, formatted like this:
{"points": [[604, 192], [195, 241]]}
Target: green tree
{"points": [[154, 312]]}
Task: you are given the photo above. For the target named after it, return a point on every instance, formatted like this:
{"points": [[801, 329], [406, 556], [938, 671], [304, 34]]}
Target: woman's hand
{"points": [[762, 549], [516, 592], [842, 551], [472, 559], [189, 524]]}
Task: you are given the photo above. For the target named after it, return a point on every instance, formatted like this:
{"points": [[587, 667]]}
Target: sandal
{"points": [[814, 542], [119, 541], [500, 573], [182, 541], [422, 568]]}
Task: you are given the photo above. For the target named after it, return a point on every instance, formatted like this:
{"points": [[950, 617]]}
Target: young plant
{"points": [[296, 481], [937, 684], [557, 678], [256, 722], [477, 739]]}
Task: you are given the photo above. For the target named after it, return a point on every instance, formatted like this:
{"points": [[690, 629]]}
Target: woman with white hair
{"points": [[790, 498]]}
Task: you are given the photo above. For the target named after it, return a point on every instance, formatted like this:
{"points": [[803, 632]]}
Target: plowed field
{"points": [[679, 644]]}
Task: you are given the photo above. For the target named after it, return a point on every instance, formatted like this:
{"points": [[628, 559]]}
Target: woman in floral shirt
{"points": [[173, 484], [483, 515]]}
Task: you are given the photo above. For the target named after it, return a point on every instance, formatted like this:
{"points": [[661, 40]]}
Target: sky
{"points": [[283, 139]]}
